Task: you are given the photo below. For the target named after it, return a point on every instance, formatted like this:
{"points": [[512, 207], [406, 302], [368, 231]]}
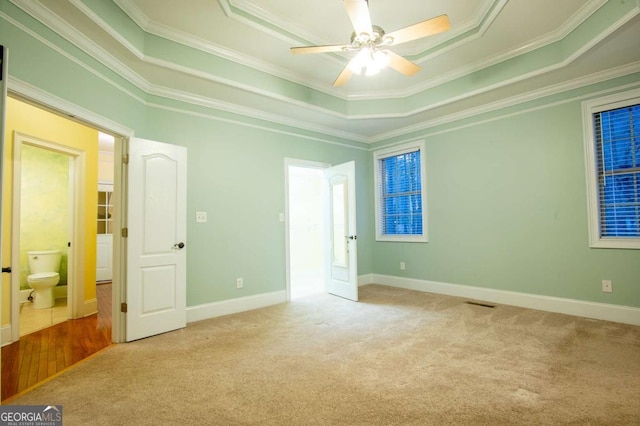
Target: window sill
{"points": [[402, 238], [616, 243]]}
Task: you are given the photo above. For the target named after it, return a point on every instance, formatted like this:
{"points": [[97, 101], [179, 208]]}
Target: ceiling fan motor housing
{"points": [[376, 37]]}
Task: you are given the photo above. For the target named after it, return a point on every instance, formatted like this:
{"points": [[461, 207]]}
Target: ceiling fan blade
{"points": [[344, 76], [402, 64], [317, 49], [358, 11], [432, 26]]}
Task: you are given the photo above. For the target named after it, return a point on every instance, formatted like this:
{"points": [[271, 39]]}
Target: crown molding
{"points": [[584, 13], [489, 16], [172, 94], [29, 91], [468, 33], [286, 31], [533, 95], [254, 126], [278, 28], [472, 34], [68, 56], [253, 113], [49, 19], [570, 25], [106, 27], [135, 13], [206, 46], [582, 50], [68, 32], [45, 16]]}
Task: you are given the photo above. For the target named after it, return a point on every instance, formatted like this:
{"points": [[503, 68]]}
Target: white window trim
{"points": [[618, 100], [388, 152]]}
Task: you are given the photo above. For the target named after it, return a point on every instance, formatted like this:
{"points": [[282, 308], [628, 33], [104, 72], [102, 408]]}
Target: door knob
{"points": [[6, 269], [178, 246], [353, 237]]}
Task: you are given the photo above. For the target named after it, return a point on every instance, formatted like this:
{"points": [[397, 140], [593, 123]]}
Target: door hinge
{"points": [[125, 158], [125, 232], [123, 307]]}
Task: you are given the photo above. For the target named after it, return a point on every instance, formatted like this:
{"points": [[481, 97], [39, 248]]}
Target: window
{"points": [[400, 193], [105, 211], [612, 148]]}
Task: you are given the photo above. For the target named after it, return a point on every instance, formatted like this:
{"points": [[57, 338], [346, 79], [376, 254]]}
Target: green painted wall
{"points": [[235, 164], [506, 198], [236, 174], [45, 60], [44, 206], [507, 210]]}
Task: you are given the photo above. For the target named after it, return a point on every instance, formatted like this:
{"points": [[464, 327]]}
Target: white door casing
{"points": [[341, 261], [76, 252], [3, 103], [156, 251]]}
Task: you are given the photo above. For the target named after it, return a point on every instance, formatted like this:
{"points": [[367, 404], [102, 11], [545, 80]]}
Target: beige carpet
{"points": [[396, 357]]}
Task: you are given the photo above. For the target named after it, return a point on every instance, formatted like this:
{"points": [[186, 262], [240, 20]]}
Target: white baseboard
{"points": [[233, 306], [90, 307], [602, 311], [6, 334], [365, 279]]}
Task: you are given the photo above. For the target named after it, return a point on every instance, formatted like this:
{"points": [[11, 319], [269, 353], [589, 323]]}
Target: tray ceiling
{"points": [[234, 55]]}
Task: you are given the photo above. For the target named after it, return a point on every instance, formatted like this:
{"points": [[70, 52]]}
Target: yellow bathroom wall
{"points": [[32, 121], [44, 209]]}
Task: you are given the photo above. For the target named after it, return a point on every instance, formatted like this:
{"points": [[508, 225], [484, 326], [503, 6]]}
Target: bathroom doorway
{"points": [[21, 355], [76, 142], [46, 178], [306, 223]]}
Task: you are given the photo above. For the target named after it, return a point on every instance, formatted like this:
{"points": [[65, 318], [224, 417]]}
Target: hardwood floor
{"points": [[44, 353]]}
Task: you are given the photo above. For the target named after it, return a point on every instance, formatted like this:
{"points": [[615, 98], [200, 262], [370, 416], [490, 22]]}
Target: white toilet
{"points": [[44, 267]]}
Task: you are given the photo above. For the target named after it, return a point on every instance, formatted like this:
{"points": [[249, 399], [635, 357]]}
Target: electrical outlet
{"points": [[607, 286], [402, 266], [239, 282], [201, 217]]}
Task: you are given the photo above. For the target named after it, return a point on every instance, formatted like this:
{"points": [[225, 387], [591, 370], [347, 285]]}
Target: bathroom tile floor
{"points": [[36, 319]]}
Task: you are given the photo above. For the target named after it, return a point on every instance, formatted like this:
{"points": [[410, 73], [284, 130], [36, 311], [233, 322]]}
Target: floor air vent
{"points": [[484, 305]]}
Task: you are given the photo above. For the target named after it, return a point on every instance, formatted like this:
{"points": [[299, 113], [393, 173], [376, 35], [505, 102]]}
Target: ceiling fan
{"points": [[372, 43]]}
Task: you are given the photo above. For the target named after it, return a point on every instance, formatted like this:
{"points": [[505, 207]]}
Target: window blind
{"points": [[617, 138], [400, 190]]}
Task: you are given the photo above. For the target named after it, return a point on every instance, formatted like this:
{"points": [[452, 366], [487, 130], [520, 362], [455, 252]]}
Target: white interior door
{"points": [[341, 263], [104, 257], [156, 252]]}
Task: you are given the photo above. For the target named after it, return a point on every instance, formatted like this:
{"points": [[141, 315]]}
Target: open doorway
{"points": [[46, 177], [306, 200], [61, 144]]}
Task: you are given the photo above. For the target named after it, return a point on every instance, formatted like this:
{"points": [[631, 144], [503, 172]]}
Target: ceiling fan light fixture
{"points": [[360, 61], [381, 58], [369, 61], [378, 60]]}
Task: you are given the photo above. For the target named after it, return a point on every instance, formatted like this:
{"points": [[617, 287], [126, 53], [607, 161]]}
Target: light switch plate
{"points": [[201, 217]]}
